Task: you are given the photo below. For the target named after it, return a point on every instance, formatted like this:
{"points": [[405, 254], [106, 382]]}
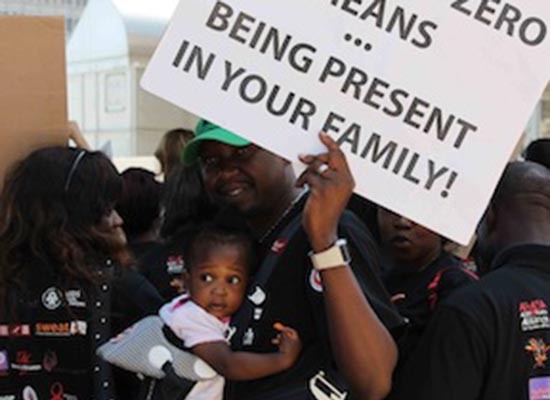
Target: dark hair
{"points": [[139, 204], [170, 148], [51, 204], [185, 201], [224, 229]]}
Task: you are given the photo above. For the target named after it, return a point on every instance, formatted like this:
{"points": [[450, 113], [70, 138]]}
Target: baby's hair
{"points": [[224, 229]]}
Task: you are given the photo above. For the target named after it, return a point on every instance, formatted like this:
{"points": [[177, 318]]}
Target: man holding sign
{"points": [[335, 301], [428, 141]]}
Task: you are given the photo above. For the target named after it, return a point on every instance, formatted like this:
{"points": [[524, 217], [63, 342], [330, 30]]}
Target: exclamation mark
{"points": [[450, 183]]}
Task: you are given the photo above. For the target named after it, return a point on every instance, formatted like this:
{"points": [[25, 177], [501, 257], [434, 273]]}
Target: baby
{"points": [[218, 260]]}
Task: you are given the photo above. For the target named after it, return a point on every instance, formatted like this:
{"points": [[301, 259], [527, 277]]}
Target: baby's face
{"points": [[218, 281]]}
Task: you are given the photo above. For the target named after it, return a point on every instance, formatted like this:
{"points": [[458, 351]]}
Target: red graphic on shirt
{"points": [[532, 307], [57, 391], [175, 264], [539, 350], [23, 357], [49, 361], [15, 330], [279, 246], [315, 280], [23, 364]]}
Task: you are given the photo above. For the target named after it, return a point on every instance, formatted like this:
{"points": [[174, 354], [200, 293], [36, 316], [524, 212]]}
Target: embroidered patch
{"points": [[58, 392], [29, 393], [258, 297], [49, 361], [539, 388], [4, 364], [15, 330], [79, 328], [52, 298], [534, 315], [321, 388], [258, 312], [175, 265], [315, 281], [539, 351], [229, 332], [74, 298], [61, 329], [23, 362], [248, 337], [279, 246]]}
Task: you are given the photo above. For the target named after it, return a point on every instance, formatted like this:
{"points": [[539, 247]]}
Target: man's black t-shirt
{"points": [[419, 292], [490, 340], [293, 296]]}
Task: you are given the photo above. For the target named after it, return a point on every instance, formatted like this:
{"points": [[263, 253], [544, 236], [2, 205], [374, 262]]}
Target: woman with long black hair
{"points": [[65, 281]]}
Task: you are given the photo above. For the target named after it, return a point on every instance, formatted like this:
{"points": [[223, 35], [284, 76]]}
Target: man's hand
{"points": [[331, 184]]}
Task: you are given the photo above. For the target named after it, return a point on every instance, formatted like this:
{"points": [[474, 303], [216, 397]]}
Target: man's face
{"points": [[248, 178], [408, 243]]}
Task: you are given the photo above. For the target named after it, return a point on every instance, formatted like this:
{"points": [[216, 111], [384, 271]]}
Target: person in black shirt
{"points": [[491, 340], [420, 273], [186, 205], [65, 284], [341, 317], [139, 207]]}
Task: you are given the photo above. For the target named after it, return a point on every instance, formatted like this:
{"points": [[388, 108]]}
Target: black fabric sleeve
{"points": [[133, 298], [449, 361], [453, 279]]}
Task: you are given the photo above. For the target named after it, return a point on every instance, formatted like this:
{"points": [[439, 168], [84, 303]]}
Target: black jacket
{"points": [[50, 330]]}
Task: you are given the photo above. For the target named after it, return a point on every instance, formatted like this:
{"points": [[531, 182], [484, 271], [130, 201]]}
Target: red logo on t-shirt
{"points": [[315, 280], [279, 246], [532, 307]]}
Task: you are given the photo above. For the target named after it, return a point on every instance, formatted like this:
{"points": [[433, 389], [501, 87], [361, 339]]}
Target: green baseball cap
{"points": [[206, 130]]}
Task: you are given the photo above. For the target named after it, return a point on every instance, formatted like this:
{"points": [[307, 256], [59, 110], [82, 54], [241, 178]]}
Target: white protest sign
{"points": [[427, 97]]}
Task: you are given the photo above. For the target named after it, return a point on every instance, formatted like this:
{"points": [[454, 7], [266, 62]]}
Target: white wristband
{"points": [[335, 256]]}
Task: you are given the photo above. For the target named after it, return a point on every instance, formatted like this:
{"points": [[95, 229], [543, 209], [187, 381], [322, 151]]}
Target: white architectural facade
{"points": [[106, 57], [107, 54]]}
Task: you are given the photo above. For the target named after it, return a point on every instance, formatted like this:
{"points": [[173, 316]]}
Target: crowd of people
{"points": [[288, 286]]}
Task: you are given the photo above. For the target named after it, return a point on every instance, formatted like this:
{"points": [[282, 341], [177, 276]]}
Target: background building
{"points": [[109, 43], [71, 9], [106, 57]]}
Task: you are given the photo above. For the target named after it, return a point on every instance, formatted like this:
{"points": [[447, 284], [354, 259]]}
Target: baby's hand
{"points": [[288, 342]]}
